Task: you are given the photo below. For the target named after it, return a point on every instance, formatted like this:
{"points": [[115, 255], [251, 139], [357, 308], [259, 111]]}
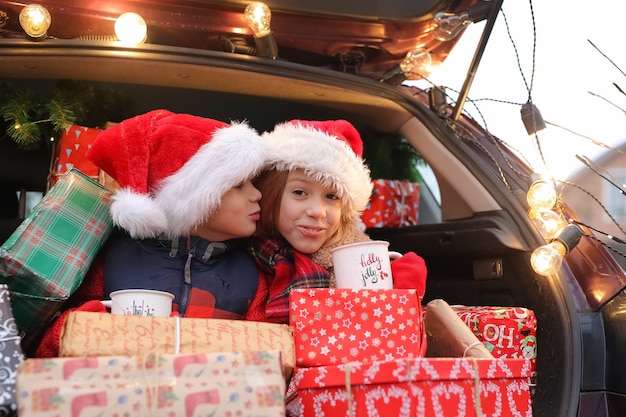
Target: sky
{"points": [[572, 84]]}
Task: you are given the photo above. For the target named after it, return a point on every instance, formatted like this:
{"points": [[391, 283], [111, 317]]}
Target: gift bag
{"points": [[49, 254], [10, 355]]}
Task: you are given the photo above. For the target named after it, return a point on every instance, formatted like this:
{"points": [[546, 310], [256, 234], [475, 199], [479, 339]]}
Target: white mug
{"points": [[139, 302], [364, 265]]}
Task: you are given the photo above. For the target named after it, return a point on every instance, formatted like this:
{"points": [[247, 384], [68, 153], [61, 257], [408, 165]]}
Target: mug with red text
{"points": [[364, 265]]}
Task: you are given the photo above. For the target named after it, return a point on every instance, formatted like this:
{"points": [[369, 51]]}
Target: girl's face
{"points": [[309, 213], [236, 217]]}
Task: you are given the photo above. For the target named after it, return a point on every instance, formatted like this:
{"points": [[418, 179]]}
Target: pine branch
{"points": [[61, 113], [18, 112]]}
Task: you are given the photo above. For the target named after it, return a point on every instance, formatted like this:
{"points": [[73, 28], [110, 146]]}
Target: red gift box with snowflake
{"points": [[393, 203], [413, 387], [339, 325], [507, 332], [72, 145]]}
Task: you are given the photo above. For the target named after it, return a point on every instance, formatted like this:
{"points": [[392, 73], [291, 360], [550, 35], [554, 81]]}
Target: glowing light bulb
{"points": [[541, 195], [258, 16], [417, 61], [547, 259], [446, 26], [35, 20], [549, 222], [131, 28]]}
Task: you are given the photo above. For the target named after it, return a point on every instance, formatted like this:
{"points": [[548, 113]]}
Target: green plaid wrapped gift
{"points": [[49, 254]]}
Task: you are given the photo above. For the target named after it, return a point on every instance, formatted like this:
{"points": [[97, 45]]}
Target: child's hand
{"points": [[409, 272]]}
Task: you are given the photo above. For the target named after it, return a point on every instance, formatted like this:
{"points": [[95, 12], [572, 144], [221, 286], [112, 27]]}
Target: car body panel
{"points": [[483, 214], [318, 39]]}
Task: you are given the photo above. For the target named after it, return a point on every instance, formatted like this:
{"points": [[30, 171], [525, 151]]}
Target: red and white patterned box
{"points": [[195, 385], [433, 387], [507, 332], [333, 325], [393, 203]]}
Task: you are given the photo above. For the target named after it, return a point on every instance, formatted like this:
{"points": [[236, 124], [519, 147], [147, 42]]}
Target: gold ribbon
{"points": [[177, 339], [477, 405], [151, 379], [351, 412]]}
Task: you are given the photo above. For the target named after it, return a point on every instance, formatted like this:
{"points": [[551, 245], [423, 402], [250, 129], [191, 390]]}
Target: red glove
{"points": [[409, 272], [49, 346], [86, 298]]}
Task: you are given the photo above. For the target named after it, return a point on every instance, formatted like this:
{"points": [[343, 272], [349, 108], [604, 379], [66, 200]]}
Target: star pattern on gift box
{"points": [[355, 325]]}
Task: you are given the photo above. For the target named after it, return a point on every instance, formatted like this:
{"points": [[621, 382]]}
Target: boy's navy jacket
{"points": [[207, 279]]}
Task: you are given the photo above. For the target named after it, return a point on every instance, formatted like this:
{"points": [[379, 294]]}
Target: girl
{"points": [[314, 188]]}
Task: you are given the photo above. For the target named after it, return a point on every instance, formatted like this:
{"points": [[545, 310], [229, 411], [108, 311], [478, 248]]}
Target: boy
{"points": [[184, 204]]}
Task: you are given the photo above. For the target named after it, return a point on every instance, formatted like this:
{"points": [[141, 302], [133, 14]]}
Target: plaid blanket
{"points": [[285, 269]]}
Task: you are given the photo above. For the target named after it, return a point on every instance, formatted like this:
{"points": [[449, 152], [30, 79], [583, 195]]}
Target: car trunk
{"points": [[476, 245]]}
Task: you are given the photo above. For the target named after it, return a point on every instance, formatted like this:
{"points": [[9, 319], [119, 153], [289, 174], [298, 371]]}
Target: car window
{"points": [[391, 157], [430, 196]]}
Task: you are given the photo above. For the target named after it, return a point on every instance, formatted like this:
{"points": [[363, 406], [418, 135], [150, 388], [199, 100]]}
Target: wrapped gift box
{"points": [[448, 336], [507, 332], [230, 383], [48, 255], [72, 145], [413, 387], [333, 325], [10, 354], [103, 334], [393, 203]]}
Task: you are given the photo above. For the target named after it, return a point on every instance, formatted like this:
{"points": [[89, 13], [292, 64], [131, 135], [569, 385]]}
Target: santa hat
{"points": [[328, 151], [173, 169]]}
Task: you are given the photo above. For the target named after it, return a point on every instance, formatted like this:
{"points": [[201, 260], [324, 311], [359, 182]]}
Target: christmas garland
{"points": [[33, 118]]}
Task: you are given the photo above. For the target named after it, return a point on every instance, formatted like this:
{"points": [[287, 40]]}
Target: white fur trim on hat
{"points": [[139, 214], [193, 193], [325, 158]]}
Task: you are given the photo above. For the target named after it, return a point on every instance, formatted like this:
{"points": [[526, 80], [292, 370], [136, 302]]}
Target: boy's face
{"points": [[309, 213], [236, 216]]}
